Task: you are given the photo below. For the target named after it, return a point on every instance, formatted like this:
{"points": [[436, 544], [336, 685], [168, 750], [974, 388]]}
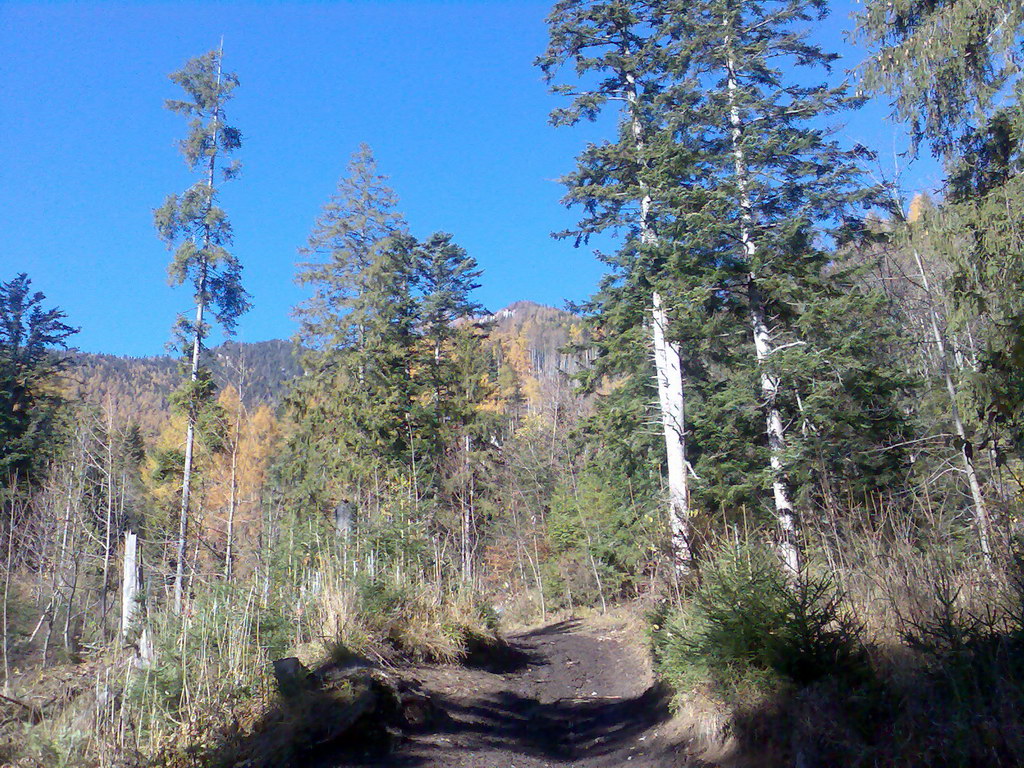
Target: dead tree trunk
{"points": [[670, 394], [130, 584]]}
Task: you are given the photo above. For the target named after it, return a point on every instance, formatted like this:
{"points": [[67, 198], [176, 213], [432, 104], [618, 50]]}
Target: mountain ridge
{"points": [[525, 336]]}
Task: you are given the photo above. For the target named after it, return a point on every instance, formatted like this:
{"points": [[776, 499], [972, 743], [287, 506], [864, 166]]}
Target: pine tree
{"points": [[948, 66], [199, 232], [738, 198], [452, 387], [446, 276], [772, 190]]}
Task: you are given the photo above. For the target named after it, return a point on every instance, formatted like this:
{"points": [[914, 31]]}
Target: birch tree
{"points": [[953, 73], [197, 229]]}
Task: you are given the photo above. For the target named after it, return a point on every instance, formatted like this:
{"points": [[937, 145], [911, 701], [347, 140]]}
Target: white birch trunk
{"points": [[785, 514], [229, 551], [7, 591], [981, 517]]}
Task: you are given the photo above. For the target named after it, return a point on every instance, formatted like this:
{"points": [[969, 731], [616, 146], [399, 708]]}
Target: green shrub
{"points": [[747, 628], [602, 539], [382, 600], [971, 686]]}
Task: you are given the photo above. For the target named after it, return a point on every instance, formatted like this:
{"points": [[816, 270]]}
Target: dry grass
{"points": [[386, 620], [944, 640], [212, 680]]}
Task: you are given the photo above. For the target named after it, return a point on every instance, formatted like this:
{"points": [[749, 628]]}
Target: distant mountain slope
{"points": [[526, 340], [528, 343], [544, 332], [137, 388]]}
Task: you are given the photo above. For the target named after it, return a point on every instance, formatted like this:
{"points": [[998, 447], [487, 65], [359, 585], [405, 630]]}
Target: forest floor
{"points": [[575, 693]]}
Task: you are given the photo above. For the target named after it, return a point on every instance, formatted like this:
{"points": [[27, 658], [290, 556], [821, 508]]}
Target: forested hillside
{"points": [[781, 444], [528, 343], [139, 388]]}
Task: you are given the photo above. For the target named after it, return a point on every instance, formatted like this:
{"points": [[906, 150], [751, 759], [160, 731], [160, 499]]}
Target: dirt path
{"points": [[572, 694]]}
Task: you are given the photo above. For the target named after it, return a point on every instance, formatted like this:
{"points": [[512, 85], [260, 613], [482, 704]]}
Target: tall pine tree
{"points": [[353, 406], [772, 193], [734, 197], [198, 231]]}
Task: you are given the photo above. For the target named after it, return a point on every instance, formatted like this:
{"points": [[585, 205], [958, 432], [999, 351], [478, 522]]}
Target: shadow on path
{"points": [[568, 729], [552, 706]]}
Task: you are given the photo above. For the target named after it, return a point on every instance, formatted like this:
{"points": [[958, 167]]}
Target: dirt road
{"points": [[571, 694]]}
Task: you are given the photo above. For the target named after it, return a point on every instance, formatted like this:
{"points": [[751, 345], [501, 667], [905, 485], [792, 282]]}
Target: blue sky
{"points": [[444, 92]]}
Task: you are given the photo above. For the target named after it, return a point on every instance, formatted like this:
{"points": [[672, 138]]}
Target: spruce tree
{"points": [[30, 335], [452, 386], [772, 190], [357, 333], [351, 231], [445, 279], [949, 67], [198, 231], [738, 197], [622, 43]]}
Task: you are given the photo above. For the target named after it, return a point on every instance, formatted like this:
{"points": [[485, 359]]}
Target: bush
{"points": [[968, 694], [209, 659], [747, 629]]}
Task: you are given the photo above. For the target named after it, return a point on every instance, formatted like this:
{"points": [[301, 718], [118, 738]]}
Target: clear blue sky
{"points": [[444, 92]]}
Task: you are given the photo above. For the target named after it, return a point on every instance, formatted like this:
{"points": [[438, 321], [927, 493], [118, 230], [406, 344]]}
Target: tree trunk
{"points": [[109, 523], [7, 589], [186, 479], [785, 514], [130, 584], [668, 368], [467, 520], [981, 518], [229, 549], [670, 394]]}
